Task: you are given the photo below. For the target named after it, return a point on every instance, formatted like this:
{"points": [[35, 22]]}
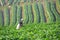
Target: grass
{"points": [[50, 31]]}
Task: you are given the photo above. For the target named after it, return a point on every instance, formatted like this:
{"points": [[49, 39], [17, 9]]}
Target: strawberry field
{"points": [[41, 19], [31, 32]]}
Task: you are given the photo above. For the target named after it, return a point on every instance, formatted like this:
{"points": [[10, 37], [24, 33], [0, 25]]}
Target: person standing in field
{"points": [[20, 24]]}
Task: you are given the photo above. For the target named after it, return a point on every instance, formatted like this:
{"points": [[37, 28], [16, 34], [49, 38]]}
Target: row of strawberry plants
{"points": [[35, 12], [25, 0], [10, 2], [6, 16], [48, 11], [25, 14], [16, 1], [58, 2], [58, 5], [41, 11], [29, 0], [19, 13], [30, 13], [13, 14], [55, 12], [1, 18]]}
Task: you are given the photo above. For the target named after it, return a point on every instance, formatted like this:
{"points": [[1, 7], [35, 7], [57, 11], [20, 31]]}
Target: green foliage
{"points": [[31, 32], [10, 2], [19, 13], [6, 16], [30, 10], [25, 0], [55, 12], [58, 5], [36, 12], [25, 14], [41, 10], [16, 1], [58, 2], [29, 0], [30, 13], [48, 11], [14, 14], [1, 18]]}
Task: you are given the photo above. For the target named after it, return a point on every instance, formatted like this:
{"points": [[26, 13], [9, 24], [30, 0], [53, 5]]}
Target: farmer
{"points": [[19, 24]]}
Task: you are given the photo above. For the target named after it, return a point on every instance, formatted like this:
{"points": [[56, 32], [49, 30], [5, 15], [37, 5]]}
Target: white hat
{"points": [[21, 19]]}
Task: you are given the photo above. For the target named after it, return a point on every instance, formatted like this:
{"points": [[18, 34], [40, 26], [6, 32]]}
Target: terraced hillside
{"points": [[32, 11], [41, 19]]}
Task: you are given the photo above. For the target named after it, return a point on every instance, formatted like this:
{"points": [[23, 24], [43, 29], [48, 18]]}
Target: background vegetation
{"points": [[41, 19]]}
